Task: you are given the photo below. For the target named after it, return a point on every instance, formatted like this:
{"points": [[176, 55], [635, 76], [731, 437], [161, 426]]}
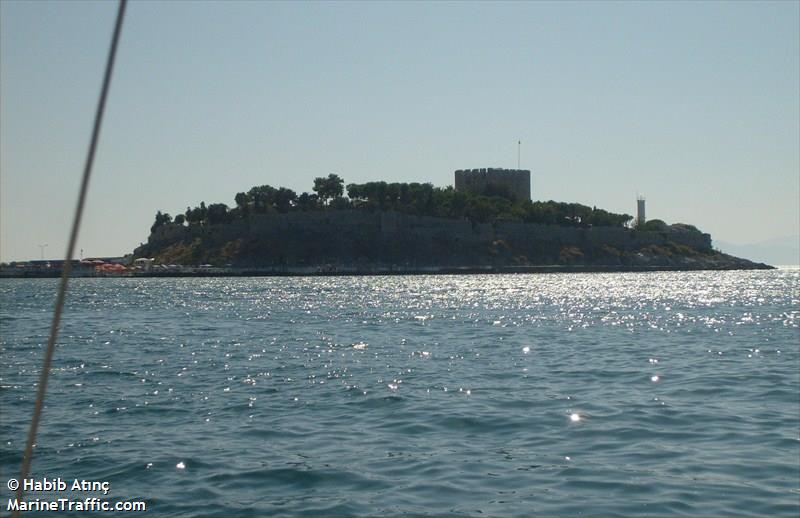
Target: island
{"points": [[486, 222]]}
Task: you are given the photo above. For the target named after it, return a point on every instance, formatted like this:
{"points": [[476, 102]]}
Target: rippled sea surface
{"points": [[657, 394]]}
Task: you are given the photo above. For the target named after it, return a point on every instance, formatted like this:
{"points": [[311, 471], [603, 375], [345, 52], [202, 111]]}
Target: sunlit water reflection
{"points": [[508, 395]]}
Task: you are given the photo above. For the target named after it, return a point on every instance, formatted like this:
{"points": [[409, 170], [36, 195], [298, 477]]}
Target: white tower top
{"points": [[640, 216]]}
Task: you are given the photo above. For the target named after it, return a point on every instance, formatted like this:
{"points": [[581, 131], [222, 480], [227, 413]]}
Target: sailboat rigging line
{"points": [[67, 268]]}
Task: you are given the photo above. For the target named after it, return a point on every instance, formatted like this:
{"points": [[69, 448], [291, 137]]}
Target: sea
{"points": [[624, 394]]}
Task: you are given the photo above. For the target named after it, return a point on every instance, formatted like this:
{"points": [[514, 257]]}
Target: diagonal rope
{"points": [[67, 268]]}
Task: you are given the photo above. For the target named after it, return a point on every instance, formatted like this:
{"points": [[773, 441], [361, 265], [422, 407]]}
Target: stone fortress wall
{"points": [[358, 238], [515, 182]]}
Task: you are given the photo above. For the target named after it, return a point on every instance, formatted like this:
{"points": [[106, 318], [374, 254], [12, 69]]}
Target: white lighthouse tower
{"points": [[640, 217]]}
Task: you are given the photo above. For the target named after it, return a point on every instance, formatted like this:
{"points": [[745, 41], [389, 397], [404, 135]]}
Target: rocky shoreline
{"points": [[332, 270]]}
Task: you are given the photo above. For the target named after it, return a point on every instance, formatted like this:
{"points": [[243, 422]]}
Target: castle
{"points": [[514, 184]]}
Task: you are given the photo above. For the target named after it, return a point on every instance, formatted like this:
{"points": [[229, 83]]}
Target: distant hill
{"points": [[781, 251]]}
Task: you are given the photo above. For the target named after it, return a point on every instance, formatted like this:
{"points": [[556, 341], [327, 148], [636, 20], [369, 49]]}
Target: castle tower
{"points": [[640, 217], [514, 184]]}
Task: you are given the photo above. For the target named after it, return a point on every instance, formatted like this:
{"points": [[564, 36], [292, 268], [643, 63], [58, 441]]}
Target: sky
{"points": [[695, 105]]}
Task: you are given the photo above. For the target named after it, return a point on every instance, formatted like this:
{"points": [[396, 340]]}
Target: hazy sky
{"points": [[695, 105]]}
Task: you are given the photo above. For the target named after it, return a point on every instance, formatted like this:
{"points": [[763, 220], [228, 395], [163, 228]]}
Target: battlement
{"points": [[495, 181]]}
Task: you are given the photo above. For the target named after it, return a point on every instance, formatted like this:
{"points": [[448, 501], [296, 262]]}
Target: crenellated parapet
{"points": [[514, 184]]}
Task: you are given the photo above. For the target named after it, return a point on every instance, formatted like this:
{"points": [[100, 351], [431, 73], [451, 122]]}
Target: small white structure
{"points": [[640, 217], [144, 263]]}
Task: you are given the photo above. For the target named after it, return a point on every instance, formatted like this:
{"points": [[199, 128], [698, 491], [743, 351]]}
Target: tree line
{"points": [[421, 199]]}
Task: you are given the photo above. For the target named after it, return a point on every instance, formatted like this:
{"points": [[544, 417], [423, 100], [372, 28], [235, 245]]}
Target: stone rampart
{"points": [[359, 237]]}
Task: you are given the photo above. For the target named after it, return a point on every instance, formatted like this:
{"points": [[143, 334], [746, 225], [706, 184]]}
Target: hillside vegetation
{"points": [[418, 199]]}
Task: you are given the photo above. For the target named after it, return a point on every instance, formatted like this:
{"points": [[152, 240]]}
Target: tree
{"points": [[422, 198], [217, 213], [392, 196], [263, 198], [479, 209], [686, 227], [307, 201], [653, 225], [355, 192], [193, 215], [329, 188], [180, 219], [284, 199], [243, 203], [161, 219]]}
